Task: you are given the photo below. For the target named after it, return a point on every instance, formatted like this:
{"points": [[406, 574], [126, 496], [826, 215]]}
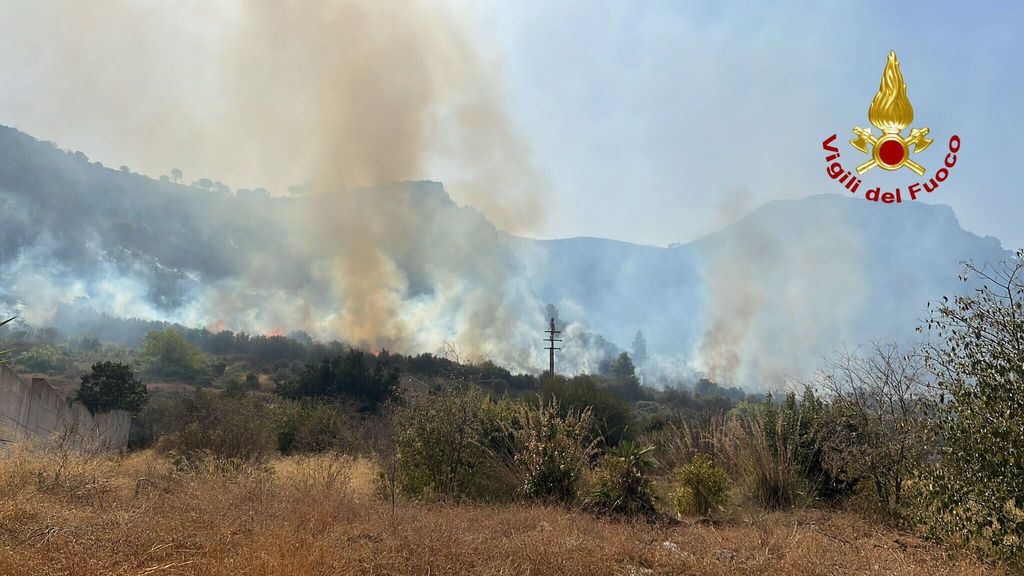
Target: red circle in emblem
{"points": [[891, 152]]}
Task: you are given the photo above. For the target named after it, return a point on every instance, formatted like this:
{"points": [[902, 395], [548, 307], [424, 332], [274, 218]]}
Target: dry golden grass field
{"points": [[137, 515]]}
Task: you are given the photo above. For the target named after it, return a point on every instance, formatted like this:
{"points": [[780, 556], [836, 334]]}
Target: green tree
{"points": [[622, 367], [112, 386], [975, 493], [167, 353], [624, 382]]}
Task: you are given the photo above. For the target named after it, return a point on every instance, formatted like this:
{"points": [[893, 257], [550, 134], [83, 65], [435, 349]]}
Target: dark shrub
{"points": [[356, 376], [112, 386]]}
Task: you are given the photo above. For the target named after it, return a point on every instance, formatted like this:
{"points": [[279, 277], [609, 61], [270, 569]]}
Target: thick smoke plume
{"points": [[376, 90], [337, 96]]}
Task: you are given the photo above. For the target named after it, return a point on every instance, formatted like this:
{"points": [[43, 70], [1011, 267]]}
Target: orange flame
{"points": [[890, 110]]}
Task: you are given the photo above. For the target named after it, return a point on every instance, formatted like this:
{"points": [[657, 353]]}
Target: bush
{"points": [[168, 354], [612, 418], [231, 374], [112, 386], [225, 428], [44, 358], [703, 486], [553, 451], [683, 436], [446, 448], [878, 421], [154, 420], [776, 452], [310, 426], [974, 496], [60, 471], [623, 486]]}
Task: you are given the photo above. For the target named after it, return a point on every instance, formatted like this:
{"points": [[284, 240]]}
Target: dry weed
{"points": [[316, 515]]}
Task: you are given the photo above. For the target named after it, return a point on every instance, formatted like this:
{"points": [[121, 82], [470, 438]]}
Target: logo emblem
{"points": [[891, 113]]}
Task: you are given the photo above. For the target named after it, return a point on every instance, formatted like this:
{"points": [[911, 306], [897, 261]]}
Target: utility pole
{"points": [[551, 332]]}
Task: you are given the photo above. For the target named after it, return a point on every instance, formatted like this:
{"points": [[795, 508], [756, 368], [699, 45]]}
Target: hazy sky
{"points": [[651, 122]]}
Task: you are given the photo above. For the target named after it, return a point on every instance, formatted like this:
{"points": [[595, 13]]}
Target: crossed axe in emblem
{"points": [[917, 138]]}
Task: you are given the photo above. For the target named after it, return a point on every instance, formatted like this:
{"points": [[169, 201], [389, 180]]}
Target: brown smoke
{"points": [[338, 95], [735, 293], [377, 90]]}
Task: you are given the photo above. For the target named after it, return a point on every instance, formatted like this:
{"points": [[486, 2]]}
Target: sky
{"points": [[648, 122]]}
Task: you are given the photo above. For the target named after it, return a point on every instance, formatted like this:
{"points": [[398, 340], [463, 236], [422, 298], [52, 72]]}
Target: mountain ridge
{"points": [[762, 297]]}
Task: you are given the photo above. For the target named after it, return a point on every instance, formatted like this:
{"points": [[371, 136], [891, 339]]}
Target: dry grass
{"points": [[64, 514]]}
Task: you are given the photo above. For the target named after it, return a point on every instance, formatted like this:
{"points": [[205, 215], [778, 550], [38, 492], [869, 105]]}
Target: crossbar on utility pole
{"points": [[550, 339]]}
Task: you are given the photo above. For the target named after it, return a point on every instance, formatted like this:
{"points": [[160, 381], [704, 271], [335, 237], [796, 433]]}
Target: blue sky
{"points": [[652, 122]]}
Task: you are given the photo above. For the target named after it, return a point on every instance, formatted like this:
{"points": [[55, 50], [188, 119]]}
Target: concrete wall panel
{"points": [[34, 412]]}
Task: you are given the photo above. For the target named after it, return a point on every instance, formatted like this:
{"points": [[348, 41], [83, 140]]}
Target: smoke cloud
{"points": [[353, 107], [339, 96], [781, 293], [376, 90]]}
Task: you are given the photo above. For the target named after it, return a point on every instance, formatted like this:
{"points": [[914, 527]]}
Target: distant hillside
{"points": [[772, 293], [761, 298]]}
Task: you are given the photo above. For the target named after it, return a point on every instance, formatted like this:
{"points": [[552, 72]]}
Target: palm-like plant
{"points": [[623, 482]]}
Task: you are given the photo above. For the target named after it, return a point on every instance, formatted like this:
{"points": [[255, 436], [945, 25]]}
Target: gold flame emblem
{"points": [[891, 113]]}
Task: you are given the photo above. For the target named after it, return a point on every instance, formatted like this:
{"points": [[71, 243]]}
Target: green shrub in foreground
{"points": [[623, 485], [446, 446], [974, 494], [703, 487], [552, 451]]}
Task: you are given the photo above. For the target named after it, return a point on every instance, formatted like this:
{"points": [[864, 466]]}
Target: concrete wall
{"points": [[35, 412]]}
